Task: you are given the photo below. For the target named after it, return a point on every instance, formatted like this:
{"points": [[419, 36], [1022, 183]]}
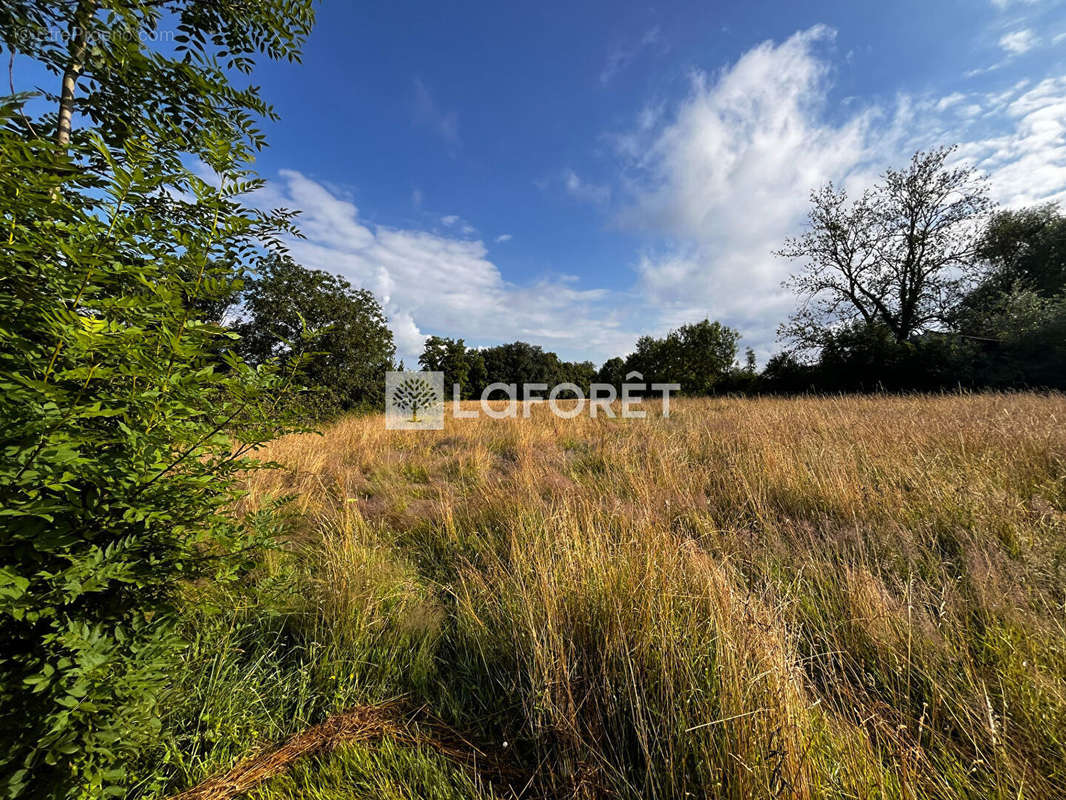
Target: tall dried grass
{"points": [[822, 597]]}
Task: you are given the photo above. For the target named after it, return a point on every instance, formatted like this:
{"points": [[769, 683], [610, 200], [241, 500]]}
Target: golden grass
{"points": [[820, 597], [361, 724]]}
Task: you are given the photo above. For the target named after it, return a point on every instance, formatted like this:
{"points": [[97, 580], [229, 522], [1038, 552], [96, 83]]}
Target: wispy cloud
{"points": [[622, 54], [503, 237], [953, 99], [1018, 42], [1002, 5], [718, 179], [584, 190], [426, 112], [1027, 161]]}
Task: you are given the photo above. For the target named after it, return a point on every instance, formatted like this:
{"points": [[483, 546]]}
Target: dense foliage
{"points": [[515, 363], [696, 356], [1008, 331], [125, 418], [283, 303]]}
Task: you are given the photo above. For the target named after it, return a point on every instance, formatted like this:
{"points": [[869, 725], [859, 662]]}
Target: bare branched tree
{"points": [[902, 255]]}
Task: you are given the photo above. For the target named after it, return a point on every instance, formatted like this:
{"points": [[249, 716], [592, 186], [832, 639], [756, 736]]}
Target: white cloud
{"points": [[977, 71], [719, 179], [728, 177], [1002, 5], [944, 103], [1027, 161], [503, 237], [725, 177], [1018, 42], [430, 283], [451, 219]]}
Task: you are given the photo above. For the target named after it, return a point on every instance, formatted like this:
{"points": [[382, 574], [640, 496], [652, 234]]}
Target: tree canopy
{"points": [[284, 305], [126, 419], [901, 256]]}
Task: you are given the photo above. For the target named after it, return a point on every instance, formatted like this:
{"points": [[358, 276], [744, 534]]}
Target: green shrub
{"points": [[125, 422]]}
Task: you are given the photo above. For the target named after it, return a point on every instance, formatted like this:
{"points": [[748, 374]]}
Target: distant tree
{"points": [[477, 377], [901, 256], [698, 356], [353, 345], [1026, 247], [451, 357], [656, 360], [520, 362], [580, 373], [741, 379], [1021, 335], [1021, 251], [784, 373], [863, 357], [613, 372], [1032, 333], [1014, 316]]}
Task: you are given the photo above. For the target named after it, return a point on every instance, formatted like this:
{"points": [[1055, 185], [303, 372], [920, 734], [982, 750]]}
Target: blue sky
{"points": [[579, 174]]}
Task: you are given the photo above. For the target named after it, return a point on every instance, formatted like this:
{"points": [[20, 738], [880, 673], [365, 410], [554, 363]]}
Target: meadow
{"points": [[812, 597]]}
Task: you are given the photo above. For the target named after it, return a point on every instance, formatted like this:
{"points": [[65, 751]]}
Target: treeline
{"points": [[1006, 329], [700, 357], [475, 370], [919, 285]]}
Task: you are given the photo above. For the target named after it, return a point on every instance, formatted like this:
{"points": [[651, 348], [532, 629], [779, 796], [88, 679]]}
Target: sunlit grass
{"points": [[824, 597]]}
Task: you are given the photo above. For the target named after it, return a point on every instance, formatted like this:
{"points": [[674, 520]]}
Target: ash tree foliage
{"points": [[283, 303], [901, 256], [125, 415], [129, 66]]}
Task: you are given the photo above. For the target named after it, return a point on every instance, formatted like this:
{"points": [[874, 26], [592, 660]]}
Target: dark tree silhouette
{"points": [[900, 256]]}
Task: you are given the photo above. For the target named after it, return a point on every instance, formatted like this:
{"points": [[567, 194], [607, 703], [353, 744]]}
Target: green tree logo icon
{"points": [[414, 395]]}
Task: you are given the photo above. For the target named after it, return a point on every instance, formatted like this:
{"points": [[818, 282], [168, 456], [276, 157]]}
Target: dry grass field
{"points": [[836, 597]]}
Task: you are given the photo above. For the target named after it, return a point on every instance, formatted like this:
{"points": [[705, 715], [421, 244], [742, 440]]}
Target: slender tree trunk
{"points": [[79, 39]]}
